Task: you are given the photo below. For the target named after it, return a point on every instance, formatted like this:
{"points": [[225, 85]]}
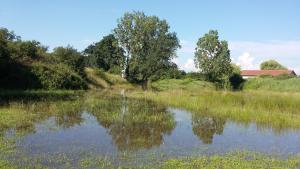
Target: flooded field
{"points": [[131, 132]]}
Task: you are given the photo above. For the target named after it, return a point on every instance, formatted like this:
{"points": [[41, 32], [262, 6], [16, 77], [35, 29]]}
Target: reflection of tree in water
{"points": [[206, 127], [69, 114], [69, 119], [135, 124]]}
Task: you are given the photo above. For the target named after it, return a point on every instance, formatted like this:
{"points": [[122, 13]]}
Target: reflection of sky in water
{"points": [[184, 139]]}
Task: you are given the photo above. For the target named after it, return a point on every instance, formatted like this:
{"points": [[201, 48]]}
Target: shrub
{"points": [[14, 75], [58, 76]]}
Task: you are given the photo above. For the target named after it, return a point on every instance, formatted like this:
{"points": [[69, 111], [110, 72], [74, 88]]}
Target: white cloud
{"points": [[277, 49], [246, 61], [189, 66], [285, 52]]}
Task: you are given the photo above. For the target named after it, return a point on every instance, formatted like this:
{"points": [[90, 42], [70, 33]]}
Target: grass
{"points": [[237, 160], [99, 79], [182, 84], [273, 84], [272, 109], [233, 160]]}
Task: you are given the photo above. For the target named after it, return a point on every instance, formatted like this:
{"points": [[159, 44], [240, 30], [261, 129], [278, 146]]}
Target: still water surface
{"points": [[183, 134], [142, 130]]}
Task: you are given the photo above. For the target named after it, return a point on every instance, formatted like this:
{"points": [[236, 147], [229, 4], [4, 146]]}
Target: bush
{"points": [[283, 77], [236, 81], [14, 75], [195, 75], [58, 76]]}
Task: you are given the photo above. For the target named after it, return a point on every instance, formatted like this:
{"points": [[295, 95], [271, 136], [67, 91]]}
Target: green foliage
{"points": [[282, 83], [26, 50], [14, 75], [196, 75], [212, 57], [27, 65], [236, 80], [169, 72], [271, 65], [58, 76], [106, 55], [148, 43], [71, 57], [5, 37], [235, 69]]}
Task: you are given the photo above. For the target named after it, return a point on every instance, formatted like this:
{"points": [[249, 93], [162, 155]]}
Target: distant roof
{"points": [[266, 72]]}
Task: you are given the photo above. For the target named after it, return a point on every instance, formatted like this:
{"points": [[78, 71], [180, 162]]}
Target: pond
{"points": [[131, 131]]}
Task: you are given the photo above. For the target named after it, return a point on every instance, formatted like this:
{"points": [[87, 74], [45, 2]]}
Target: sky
{"points": [[256, 30]]}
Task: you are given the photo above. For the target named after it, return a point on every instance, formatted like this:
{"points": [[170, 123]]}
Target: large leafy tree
{"points": [[27, 50], [212, 57], [71, 57], [5, 37], [148, 43], [106, 54], [271, 65]]}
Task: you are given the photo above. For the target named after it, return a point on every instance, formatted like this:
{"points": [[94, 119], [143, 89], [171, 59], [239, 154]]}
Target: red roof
{"points": [[266, 72]]}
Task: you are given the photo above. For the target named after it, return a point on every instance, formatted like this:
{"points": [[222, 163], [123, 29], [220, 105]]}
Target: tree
{"points": [[271, 65], [148, 44], [71, 57], [106, 54], [205, 128], [6, 37], [27, 50], [131, 128], [212, 57]]}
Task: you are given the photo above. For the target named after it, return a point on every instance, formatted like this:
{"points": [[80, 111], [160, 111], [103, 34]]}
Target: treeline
{"points": [[140, 48], [29, 65]]}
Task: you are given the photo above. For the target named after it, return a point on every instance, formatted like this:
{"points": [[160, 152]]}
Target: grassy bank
{"points": [[98, 79], [187, 84], [280, 84]]}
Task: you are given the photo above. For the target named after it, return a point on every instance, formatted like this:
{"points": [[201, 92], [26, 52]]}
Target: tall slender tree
{"points": [[212, 57]]}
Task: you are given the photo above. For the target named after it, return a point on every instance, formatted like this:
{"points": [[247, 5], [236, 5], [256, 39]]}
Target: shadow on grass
{"points": [[7, 96]]}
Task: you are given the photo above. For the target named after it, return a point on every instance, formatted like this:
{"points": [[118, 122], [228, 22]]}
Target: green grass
{"points": [[99, 79], [273, 84], [182, 84], [234, 160], [238, 160], [272, 109]]}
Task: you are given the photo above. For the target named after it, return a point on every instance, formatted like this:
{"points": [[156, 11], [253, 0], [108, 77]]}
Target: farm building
{"points": [[253, 73]]}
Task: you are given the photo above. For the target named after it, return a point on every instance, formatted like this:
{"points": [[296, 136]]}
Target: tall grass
{"points": [[182, 84], [273, 84], [277, 110]]}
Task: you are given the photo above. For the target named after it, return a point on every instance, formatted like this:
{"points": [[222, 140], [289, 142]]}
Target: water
{"points": [[143, 130]]}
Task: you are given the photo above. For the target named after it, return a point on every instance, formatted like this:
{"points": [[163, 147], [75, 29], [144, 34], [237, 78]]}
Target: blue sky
{"points": [[256, 30]]}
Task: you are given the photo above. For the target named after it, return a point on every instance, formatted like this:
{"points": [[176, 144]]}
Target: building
{"points": [[253, 73]]}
